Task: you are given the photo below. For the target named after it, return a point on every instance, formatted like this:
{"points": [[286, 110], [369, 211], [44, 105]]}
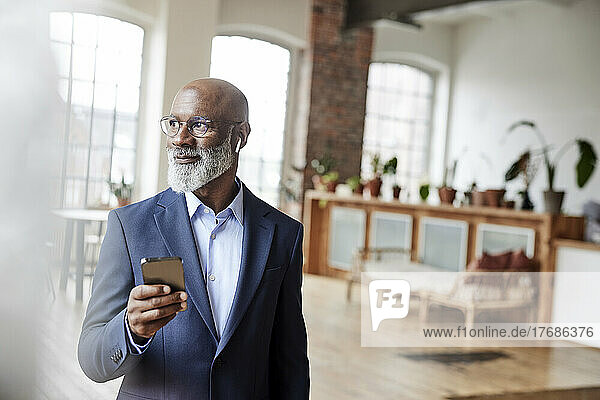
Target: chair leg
{"points": [[349, 290], [469, 317], [423, 309]]}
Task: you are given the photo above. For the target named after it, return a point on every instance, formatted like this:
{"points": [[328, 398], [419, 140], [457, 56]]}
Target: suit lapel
{"points": [[176, 230], [258, 235]]}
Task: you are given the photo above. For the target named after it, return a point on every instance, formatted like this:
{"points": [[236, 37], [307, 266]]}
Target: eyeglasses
{"points": [[197, 126]]}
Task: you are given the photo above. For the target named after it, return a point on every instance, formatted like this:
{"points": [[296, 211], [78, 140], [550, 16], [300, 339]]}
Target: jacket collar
{"points": [[175, 228]]}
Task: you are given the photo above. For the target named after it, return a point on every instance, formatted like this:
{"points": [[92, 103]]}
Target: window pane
{"points": [[62, 56], [102, 128], [77, 161], [99, 163], [83, 63], [82, 93], [129, 70], [123, 164], [125, 129], [104, 96], [106, 68], [128, 99], [85, 29], [74, 193], [63, 89], [397, 121], [80, 125], [106, 65]]}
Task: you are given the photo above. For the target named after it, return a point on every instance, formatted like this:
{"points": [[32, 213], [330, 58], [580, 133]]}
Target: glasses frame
{"points": [[195, 119]]}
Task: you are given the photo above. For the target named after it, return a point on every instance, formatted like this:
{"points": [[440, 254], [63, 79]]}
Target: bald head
{"points": [[212, 98]]}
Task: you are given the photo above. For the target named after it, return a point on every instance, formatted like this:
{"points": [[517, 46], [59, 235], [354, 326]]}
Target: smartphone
{"points": [[164, 271]]}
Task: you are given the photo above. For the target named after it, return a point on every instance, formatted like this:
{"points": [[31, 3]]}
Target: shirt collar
{"points": [[236, 205]]}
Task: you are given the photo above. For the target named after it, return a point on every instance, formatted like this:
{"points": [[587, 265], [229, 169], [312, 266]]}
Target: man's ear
{"points": [[243, 134]]}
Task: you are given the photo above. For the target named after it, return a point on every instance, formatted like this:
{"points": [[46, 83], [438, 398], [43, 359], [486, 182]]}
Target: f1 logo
{"points": [[389, 299]]}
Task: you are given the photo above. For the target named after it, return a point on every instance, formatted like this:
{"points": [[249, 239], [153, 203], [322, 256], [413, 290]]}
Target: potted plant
{"points": [[122, 191], [526, 166], [322, 166], [330, 180], [424, 191], [374, 185], [355, 184], [583, 169], [446, 192], [390, 168]]}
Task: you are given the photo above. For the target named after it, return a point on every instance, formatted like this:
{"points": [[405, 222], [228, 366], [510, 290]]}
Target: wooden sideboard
{"points": [[318, 208]]}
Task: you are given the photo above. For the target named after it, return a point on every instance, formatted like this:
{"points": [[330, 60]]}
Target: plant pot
{"points": [[331, 186], [494, 197], [396, 192], [553, 201], [509, 204], [478, 198], [468, 198], [123, 202], [317, 183], [359, 189], [374, 186], [526, 204], [447, 194]]}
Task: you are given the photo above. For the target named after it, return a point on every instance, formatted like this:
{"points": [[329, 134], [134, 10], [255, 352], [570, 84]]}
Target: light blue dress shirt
{"points": [[219, 242]]}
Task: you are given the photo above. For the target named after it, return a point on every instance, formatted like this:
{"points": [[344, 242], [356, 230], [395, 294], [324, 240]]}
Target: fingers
{"points": [[145, 291], [158, 313], [160, 301], [149, 329]]}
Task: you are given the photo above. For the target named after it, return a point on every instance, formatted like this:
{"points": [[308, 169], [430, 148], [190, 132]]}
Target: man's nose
{"points": [[184, 139]]}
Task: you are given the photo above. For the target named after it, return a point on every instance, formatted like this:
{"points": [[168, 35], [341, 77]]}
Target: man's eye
{"points": [[199, 126], [173, 124]]}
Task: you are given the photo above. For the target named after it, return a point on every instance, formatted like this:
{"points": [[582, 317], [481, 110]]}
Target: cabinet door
{"points": [[389, 230], [346, 234], [496, 239], [443, 243]]}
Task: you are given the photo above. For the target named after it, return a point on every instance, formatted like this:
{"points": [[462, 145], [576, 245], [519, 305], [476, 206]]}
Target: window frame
{"points": [[433, 75], [68, 145]]}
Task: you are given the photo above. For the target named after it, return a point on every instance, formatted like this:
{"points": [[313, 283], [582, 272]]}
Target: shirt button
{"points": [[212, 277], [206, 211], [213, 236]]}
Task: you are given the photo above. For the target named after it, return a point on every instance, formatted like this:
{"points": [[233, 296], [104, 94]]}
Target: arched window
{"points": [[398, 120], [259, 69], [99, 63]]}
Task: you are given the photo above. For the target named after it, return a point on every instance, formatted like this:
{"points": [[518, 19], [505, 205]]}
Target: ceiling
{"points": [[447, 12]]}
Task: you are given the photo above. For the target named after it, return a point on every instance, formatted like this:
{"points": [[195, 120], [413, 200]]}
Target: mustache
{"points": [[183, 152]]}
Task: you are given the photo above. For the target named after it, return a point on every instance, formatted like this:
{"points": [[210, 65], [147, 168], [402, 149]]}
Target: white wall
{"points": [[540, 62], [429, 48], [283, 22]]}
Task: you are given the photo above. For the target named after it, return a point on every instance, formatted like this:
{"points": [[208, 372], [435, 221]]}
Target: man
{"points": [[237, 332]]}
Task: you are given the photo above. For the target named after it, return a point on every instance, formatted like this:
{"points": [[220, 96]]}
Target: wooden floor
{"points": [[340, 368]]}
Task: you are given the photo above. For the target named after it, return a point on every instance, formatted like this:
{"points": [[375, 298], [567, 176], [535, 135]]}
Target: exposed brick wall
{"points": [[340, 65]]}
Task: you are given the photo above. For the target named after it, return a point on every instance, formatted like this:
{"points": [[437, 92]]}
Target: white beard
{"points": [[212, 163]]}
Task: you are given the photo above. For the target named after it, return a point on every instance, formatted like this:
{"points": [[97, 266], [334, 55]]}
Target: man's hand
{"points": [[150, 307]]}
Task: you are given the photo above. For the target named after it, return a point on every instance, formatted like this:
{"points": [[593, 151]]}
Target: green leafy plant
{"points": [[376, 165], [121, 189], [424, 191], [526, 166], [324, 164], [390, 167], [585, 165], [329, 177], [449, 174], [353, 182]]}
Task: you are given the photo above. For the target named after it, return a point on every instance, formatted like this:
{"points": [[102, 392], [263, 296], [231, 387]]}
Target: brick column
{"points": [[340, 65]]}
